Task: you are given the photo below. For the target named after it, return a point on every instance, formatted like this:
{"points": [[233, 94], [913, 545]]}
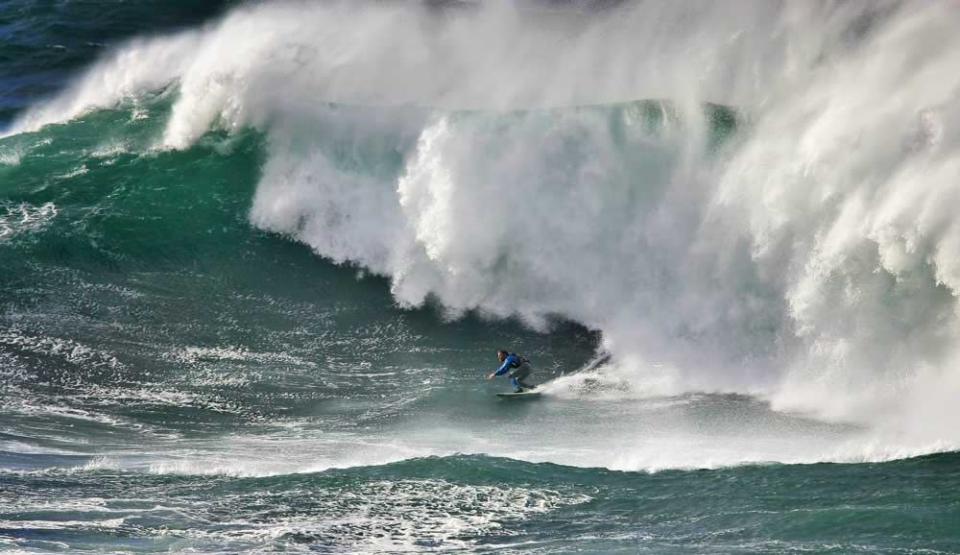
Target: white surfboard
{"points": [[529, 394]]}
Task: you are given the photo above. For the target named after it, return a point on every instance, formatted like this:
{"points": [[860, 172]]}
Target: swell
{"points": [[488, 503]]}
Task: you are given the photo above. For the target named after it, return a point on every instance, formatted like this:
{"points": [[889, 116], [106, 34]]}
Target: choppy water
{"points": [[255, 261]]}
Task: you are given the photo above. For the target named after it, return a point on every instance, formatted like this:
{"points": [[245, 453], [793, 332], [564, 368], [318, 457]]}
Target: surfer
{"points": [[517, 366]]}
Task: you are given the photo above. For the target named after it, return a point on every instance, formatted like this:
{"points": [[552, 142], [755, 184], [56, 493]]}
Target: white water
{"points": [[815, 260]]}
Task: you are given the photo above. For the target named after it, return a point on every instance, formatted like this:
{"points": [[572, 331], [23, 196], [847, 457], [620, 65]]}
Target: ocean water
{"points": [[256, 259]]}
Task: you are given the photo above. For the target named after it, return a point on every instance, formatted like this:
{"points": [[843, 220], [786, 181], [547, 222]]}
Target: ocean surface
{"points": [[256, 259]]}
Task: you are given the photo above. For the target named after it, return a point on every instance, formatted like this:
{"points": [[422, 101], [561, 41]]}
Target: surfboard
{"points": [[521, 395]]}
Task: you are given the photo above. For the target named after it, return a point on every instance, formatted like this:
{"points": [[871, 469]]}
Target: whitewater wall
{"points": [[490, 156]]}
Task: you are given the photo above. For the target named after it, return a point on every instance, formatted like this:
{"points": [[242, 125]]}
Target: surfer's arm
{"points": [[505, 367]]}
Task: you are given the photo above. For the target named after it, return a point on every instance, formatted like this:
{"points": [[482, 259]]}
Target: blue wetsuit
{"points": [[519, 369]]}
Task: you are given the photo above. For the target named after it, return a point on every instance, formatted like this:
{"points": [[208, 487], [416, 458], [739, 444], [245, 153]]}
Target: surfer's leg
{"points": [[518, 376], [517, 388]]}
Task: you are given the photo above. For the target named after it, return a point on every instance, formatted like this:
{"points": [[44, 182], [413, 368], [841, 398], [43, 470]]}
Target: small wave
{"points": [[61, 524], [82, 169], [119, 290], [69, 350], [66, 412], [34, 463], [196, 355], [882, 451], [110, 150]]}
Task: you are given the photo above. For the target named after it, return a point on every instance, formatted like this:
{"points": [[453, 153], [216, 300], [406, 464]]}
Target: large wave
{"points": [[486, 156]]}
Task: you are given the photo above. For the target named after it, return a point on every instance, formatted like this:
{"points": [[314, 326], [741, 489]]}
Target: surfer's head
{"points": [[501, 355]]}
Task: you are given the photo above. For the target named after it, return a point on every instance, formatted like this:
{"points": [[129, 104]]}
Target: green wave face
{"points": [[118, 202], [134, 280]]}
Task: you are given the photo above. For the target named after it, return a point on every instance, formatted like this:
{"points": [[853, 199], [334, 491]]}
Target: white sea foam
{"points": [[25, 218], [391, 517], [61, 524], [421, 513], [79, 170], [95, 464], [11, 156], [194, 355], [110, 150], [69, 350]]}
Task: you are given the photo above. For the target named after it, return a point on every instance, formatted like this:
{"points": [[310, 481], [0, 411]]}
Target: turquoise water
{"points": [[490, 504], [271, 335]]}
